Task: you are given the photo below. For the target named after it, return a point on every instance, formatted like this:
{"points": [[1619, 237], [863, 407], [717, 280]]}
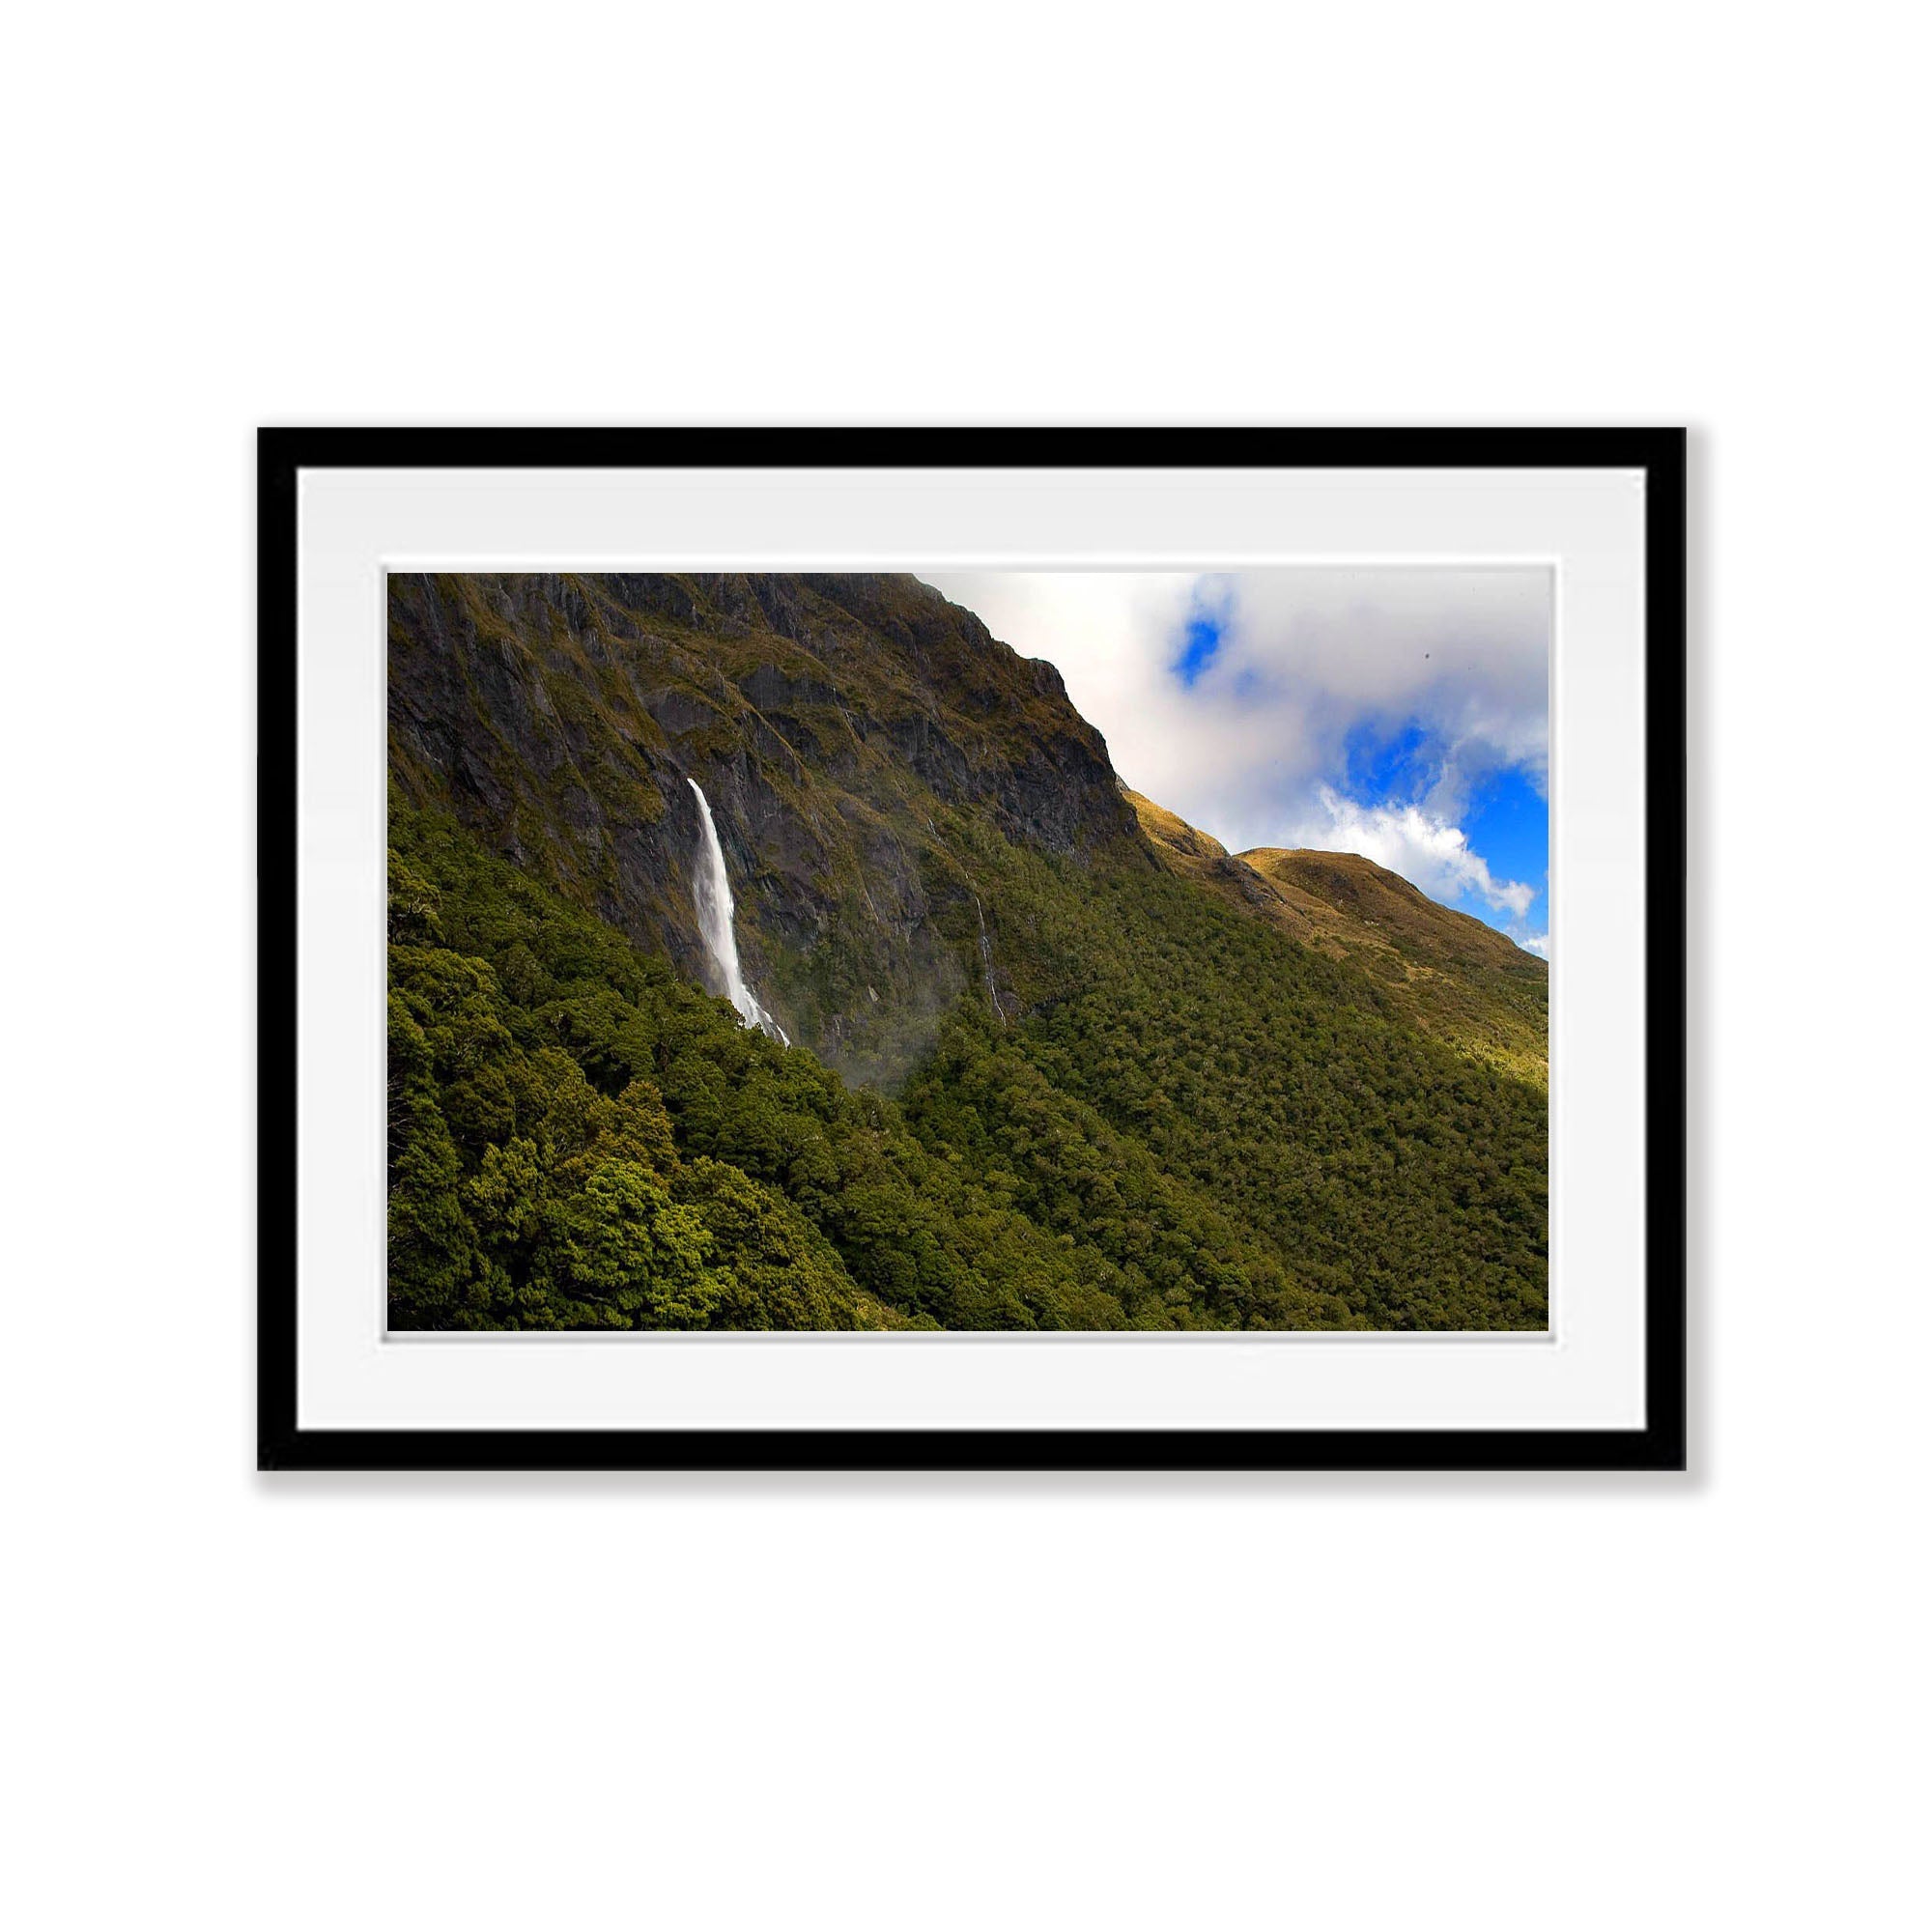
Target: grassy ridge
{"points": [[1449, 975]]}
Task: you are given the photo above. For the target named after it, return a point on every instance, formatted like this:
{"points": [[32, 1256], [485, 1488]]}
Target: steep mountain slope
{"points": [[1452, 975], [858, 737], [1057, 1064], [579, 1138]]}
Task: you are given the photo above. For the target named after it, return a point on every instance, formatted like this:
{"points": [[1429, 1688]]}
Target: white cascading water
{"points": [[711, 892]]}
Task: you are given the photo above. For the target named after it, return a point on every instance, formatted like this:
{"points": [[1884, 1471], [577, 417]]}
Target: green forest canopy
{"points": [[1198, 1124]]}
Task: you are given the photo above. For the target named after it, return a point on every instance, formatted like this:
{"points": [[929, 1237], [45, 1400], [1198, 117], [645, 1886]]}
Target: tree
{"points": [[622, 1243]]}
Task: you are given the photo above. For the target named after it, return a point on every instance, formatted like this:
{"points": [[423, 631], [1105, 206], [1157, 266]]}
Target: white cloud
{"points": [[1537, 943], [1312, 659], [1459, 656]]}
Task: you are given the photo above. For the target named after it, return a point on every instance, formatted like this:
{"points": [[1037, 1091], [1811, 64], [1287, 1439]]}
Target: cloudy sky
{"points": [[1400, 712]]}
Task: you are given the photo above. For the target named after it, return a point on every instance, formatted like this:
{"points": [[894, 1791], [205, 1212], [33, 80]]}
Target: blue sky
{"points": [[1400, 712], [1504, 816], [1508, 822]]}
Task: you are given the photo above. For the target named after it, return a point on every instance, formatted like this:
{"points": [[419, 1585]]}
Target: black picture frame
{"points": [[1660, 1445]]}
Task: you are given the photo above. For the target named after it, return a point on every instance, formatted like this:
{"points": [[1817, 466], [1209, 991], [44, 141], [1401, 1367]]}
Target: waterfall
{"points": [[711, 893], [986, 960]]}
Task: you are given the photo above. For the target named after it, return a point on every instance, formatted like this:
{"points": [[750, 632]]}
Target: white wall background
{"points": [[236, 1702]]}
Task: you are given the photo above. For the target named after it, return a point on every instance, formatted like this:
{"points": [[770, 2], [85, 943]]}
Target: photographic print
{"points": [[1015, 950]]}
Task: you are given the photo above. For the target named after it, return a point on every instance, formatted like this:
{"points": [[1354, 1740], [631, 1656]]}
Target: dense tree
{"points": [[1178, 1119]]}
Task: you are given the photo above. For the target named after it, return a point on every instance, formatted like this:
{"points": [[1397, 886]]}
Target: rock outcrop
{"points": [[867, 747]]}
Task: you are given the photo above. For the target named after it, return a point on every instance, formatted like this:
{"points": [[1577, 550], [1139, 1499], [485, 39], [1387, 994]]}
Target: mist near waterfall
{"points": [[711, 893]]}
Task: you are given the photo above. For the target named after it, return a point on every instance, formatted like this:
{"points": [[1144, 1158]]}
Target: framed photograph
{"points": [[972, 949]]}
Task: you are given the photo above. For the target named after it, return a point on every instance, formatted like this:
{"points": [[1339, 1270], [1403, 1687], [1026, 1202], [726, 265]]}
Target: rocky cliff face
{"points": [[873, 758]]}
